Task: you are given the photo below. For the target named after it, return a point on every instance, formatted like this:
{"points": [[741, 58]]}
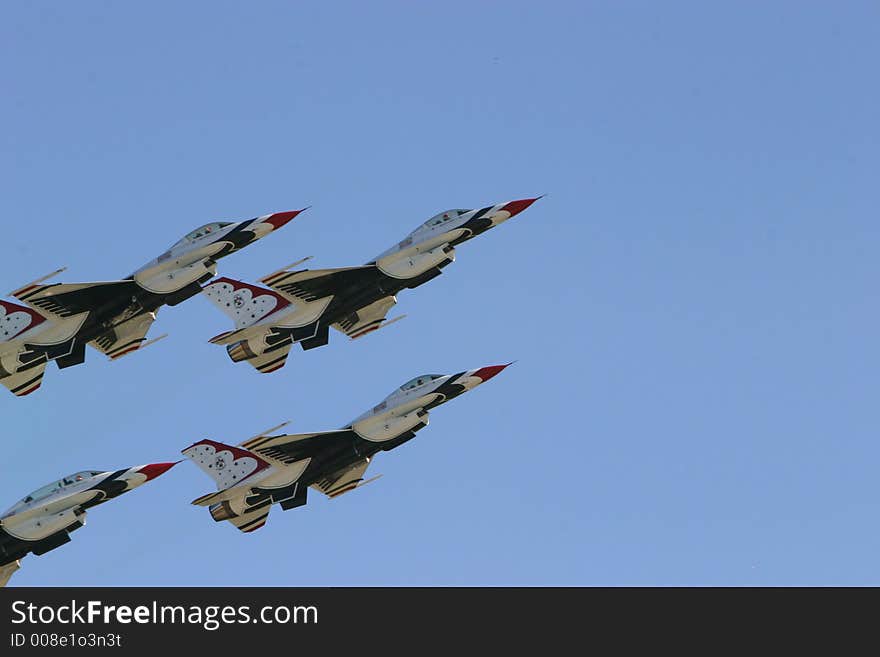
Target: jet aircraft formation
{"points": [[57, 321]]}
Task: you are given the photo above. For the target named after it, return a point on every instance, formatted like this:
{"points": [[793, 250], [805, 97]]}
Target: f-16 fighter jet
{"points": [[43, 520], [301, 306], [268, 469], [112, 316]]}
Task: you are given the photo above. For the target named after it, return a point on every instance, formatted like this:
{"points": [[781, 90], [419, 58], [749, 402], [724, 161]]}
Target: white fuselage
{"points": [[188, 251], [440, 230], [193, 257], [33, 520], [388, 419], [182, 264]]}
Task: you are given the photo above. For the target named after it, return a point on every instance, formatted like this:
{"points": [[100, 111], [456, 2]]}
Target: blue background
{"points": [[693, 306]]}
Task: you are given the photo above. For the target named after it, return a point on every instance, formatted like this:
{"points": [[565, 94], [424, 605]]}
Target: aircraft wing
{"points": [[290, 448], [314, 284], [125, 338], [7, 571], [26, 381], [296, 447], [366, 319], [69, 299], [344, 480]]}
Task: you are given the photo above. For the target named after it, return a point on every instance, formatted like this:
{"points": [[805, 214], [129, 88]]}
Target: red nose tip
{"points": [[486, 373], [280, 218], [153, 470], [515, 207]]}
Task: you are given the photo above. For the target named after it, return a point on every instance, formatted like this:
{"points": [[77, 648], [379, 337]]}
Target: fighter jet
{"points": [[113, 316], [301, 306], [268, 469], [43, 520]]}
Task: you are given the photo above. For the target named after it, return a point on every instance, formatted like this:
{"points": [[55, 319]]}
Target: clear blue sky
{"points": [[693, 306]]}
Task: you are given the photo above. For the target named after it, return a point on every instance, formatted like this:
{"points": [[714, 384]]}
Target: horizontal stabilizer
{"points": [[210, 498], [237, 335], [26, 381], [252, 519], [7, 571], [267, 362]]}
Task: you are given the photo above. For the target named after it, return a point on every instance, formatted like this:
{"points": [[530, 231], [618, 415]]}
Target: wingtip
{"points": [[34, 283]]}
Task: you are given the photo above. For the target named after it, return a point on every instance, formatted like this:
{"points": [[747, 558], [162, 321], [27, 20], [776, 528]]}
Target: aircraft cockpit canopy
{"points": [[202, 231], [56, 486], [205, 230], [420, 381], [442, 218]]}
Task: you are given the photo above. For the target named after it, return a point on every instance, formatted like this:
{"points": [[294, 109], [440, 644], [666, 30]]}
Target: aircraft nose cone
{"points": [[153, 470], [486, 373], [515, 207], [278, 219]]}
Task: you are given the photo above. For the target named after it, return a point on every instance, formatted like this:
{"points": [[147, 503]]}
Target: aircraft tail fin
{"points": [[11, 307], [25, 381], [17, 319], [244, 303], [227, 465]]}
